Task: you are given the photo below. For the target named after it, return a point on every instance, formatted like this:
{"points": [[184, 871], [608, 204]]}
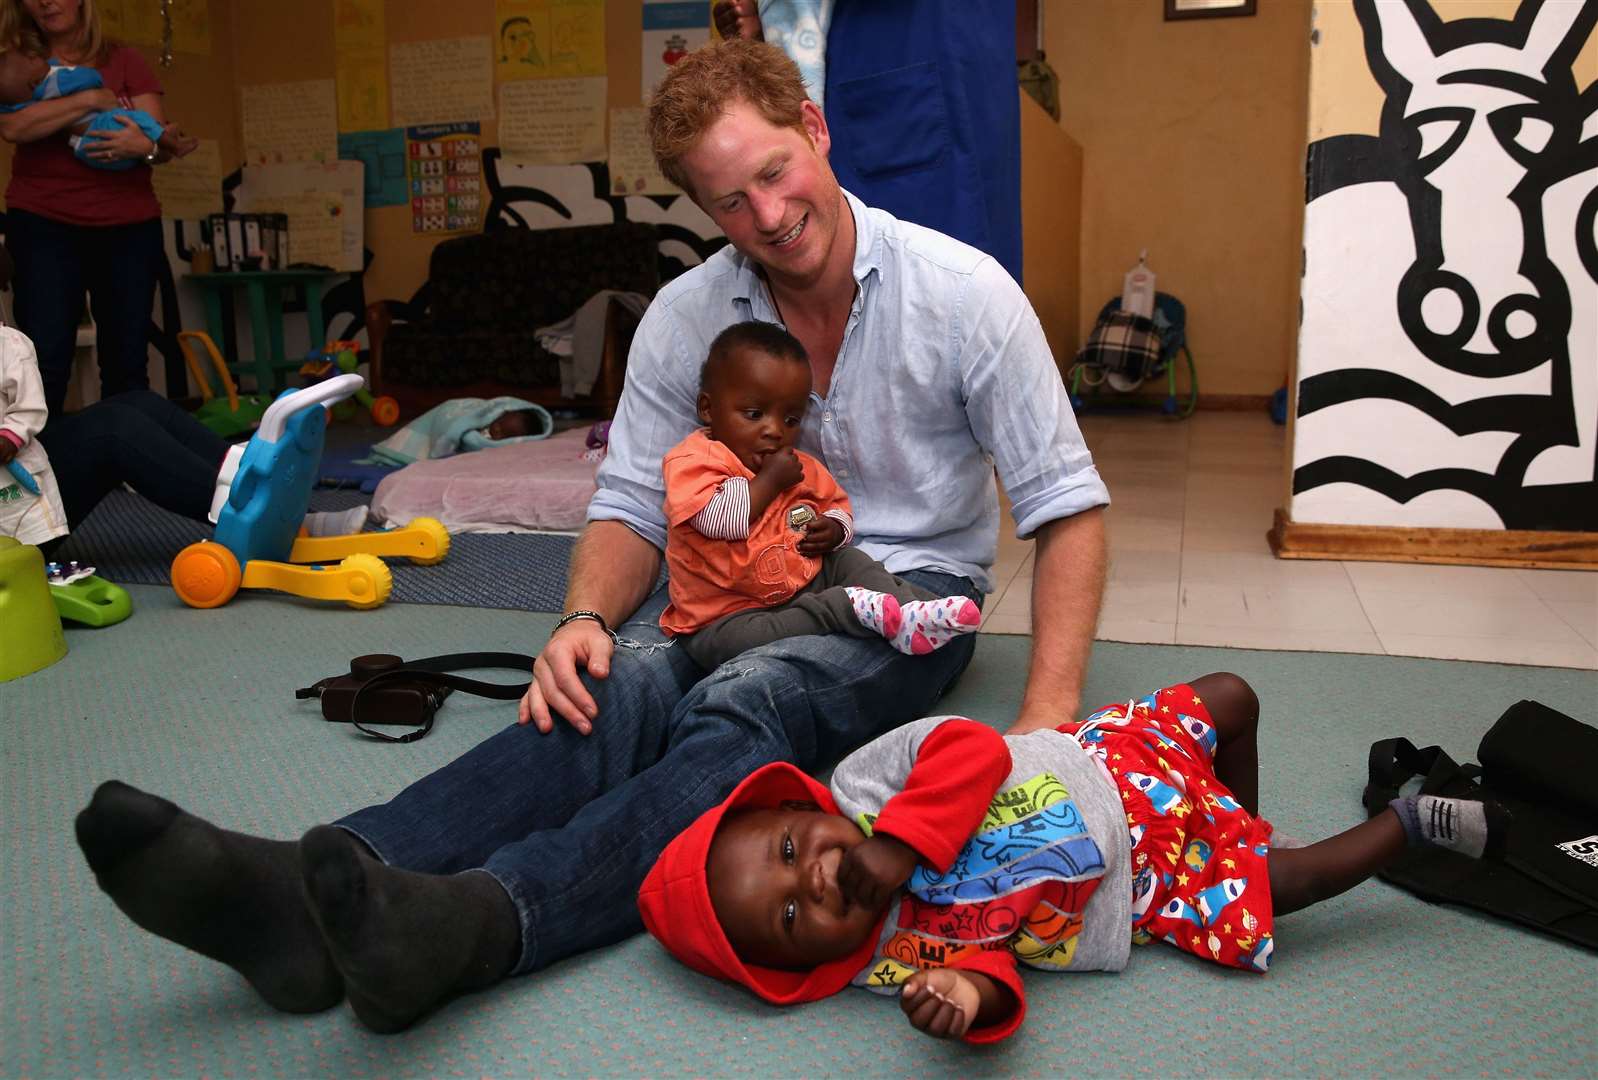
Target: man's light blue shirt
{"points": [[943, 376]]}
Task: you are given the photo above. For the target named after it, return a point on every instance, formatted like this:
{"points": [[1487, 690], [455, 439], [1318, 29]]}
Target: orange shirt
{"points": [[711, 578]]}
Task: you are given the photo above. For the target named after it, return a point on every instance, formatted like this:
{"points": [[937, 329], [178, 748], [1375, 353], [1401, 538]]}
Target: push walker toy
{"points": [[259, 534]]}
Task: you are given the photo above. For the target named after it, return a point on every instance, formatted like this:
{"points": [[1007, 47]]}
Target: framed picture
{"points": [[1207, 9]]}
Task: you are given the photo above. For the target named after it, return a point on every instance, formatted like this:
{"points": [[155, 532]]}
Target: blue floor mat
{"points": [[132, 541]]}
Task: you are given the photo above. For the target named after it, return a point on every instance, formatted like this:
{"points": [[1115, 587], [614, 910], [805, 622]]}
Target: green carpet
{"points": [[199, 706]]}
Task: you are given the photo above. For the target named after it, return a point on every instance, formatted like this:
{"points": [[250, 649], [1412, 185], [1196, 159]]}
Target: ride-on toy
{"points": [[233, 413], [258, 532]]}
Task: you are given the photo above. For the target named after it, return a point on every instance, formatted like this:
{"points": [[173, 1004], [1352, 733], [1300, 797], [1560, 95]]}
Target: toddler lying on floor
{"points": [[26, 79], [945, 853]]}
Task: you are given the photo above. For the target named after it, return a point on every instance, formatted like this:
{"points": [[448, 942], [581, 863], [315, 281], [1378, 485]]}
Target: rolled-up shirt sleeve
{"points": [[1018, 406], [658, 409]]}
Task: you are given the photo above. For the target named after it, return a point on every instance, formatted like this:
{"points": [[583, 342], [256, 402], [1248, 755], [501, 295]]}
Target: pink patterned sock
{"points": [[931, 624], [876, 610]]}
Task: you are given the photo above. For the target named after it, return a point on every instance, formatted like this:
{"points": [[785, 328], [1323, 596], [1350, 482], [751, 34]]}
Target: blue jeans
{"points": [[137, 438], [569, 825], [55, 264]]}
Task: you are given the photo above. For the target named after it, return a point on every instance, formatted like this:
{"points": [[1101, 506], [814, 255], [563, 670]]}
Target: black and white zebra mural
{"points": [[1448, 356]]}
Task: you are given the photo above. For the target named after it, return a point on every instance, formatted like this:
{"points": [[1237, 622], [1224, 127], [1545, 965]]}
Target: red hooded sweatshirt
{"points": [[675, 898]]}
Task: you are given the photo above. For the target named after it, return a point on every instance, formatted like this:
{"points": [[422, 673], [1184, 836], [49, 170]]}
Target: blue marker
{"points": [[23, 476]]}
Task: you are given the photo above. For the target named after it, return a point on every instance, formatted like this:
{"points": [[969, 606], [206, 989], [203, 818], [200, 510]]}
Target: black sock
{"points": [[405, 942], [228, 896]]}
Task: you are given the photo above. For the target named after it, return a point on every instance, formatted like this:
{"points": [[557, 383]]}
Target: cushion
{"points": [[542, 485]]}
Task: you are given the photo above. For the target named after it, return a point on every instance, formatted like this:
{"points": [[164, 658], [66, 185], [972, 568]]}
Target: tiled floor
{"points": [[1189, 564]]}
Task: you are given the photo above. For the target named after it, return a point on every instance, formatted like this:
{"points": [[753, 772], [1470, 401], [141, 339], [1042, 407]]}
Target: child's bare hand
{"points": [[8, 450], [821, 536], [737, 19], [941, 1002], [782, 468], [873, 869]]}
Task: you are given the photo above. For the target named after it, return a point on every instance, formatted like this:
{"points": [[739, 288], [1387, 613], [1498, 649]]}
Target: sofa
{"points": [[470, 332]]}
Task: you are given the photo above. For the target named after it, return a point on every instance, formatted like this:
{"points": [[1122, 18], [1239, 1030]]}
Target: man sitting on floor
{"points": [[930, 370]]}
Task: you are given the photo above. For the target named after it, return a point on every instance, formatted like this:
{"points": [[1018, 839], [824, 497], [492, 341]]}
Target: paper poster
{"points": [[286, 122], [446, 79], [672, 30], [316, 224], [383, 155], [360, 62], [139, 23], [552, 121], [347, 179], [632, 164], [541, 39], [446, 163], [190, 187]]}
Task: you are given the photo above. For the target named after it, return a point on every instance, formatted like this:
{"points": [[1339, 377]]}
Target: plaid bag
{"points": [[1122, 344]]}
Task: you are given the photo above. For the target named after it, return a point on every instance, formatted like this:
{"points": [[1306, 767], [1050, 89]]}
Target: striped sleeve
{"points": [[726, 515], [844, 518]]}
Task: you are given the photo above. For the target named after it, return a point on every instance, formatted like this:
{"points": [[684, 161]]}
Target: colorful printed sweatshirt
{"points": [[1018, 856]]}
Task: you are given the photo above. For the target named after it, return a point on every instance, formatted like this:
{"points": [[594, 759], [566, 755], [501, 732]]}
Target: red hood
{"points": [[675, 898]]}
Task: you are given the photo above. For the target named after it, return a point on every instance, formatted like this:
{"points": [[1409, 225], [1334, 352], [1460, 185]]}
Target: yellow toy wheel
{"points": [[385, 411], [206, 575], [367, 579], [437, 534]]}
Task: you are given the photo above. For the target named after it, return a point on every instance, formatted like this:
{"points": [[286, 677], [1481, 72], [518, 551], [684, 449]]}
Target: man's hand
{"points": [[556, 684], [821, 536], [1038, 717], [873, 869], [737, 19], [942, 1002], [8, 450]]}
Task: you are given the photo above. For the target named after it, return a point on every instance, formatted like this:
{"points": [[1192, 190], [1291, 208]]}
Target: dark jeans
{"points": [[570, 825], [55, 264], [138, 438], [821, 607]]}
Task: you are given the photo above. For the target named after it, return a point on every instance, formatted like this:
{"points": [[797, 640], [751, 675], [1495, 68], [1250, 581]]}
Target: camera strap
{"points": [[437, 673]]}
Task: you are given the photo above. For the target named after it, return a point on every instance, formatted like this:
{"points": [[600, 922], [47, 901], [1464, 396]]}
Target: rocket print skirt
{"points": [[1199, 878]]}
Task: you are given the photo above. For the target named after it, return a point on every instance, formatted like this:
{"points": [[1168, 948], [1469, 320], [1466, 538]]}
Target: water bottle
{"points": [[1137, 288]]}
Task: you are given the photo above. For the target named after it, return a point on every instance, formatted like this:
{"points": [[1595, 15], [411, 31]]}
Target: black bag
{"points": [[1541, 766], [384, 690]]}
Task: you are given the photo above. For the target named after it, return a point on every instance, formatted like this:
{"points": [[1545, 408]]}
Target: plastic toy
{"points": [[236, 413], [340, 357], [30, 629], [19, 473], [92, 601], [258, 532]]}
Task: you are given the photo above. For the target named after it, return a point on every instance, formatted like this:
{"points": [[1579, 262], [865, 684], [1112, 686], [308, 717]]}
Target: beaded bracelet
{"points": [[573, 616]]}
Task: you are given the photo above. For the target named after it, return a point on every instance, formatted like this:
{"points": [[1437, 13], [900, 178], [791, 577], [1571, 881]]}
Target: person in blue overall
{"points": [[941, 76]]}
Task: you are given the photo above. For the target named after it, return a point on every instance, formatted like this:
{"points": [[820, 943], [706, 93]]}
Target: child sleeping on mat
{"points": [[461, 425]]}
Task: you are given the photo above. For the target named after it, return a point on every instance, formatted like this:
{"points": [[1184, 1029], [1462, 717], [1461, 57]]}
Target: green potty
{"points": [[30, 629]]}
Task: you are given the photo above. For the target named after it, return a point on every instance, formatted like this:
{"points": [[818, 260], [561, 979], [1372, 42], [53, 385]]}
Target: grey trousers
{"points": [[821, 607]]}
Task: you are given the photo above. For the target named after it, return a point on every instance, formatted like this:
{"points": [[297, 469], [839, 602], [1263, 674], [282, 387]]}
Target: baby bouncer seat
{"points": [[1111, 356], [259, 535]]}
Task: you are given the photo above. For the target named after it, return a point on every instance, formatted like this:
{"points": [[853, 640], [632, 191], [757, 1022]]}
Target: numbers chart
{"points": [[446, 177]]}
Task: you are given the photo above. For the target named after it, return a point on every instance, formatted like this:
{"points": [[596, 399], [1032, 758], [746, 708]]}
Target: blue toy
{"points": [[20, 473], [258, 532]]}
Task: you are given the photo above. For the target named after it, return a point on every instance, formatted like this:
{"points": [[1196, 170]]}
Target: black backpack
{"points": [[1541, 766]]}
